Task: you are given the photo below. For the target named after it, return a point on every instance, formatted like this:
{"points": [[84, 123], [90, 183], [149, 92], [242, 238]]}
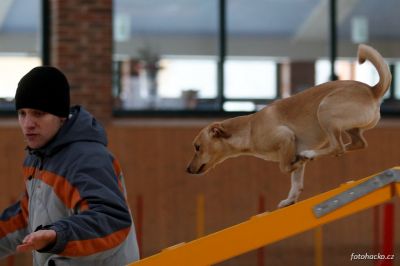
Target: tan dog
{"points": [[293, 130]]}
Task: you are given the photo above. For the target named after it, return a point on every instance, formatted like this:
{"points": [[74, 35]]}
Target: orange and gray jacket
{"points": [[74, 186]]}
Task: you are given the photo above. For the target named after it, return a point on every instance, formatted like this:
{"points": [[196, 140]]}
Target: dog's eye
{"points": [[197, 147]]}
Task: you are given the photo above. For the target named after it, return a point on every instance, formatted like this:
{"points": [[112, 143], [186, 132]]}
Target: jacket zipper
{"points": [[34, 183]]}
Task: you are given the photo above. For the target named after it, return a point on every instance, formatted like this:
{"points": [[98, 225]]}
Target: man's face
{"points": [[38, 127]]}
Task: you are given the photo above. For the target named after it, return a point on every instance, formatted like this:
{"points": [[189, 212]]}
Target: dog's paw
{"points": [[285, 203], [309, 155]]}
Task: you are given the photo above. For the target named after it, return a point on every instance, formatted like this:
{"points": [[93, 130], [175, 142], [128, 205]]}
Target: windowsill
{"points": [[8, 113], [182, 119], [119, 113], [390, 109]]}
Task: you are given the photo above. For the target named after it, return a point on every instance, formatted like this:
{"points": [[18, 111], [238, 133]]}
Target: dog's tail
{"points": [[385, 77]]}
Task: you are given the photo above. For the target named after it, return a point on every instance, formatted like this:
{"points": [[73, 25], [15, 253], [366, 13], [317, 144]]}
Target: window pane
{"points": [[19, 39], [347, 70], [167, 51], [263, 35], [359, 22], [322, 71], [199, 75], [232, 106], [397, 81], [366, 73], [12, 68], [249, 78]]}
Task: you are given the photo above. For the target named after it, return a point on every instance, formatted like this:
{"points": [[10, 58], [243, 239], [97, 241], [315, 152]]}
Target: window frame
{"points": [[389, 108]]}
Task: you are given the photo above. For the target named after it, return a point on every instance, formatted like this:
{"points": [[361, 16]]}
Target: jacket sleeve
{"points": [[102, 219], [13, 226]]}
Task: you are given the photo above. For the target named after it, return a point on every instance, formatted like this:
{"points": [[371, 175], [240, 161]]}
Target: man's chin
{"points": [[34, 145]]}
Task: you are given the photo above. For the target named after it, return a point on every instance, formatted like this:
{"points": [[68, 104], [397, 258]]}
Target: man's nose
{"points": [[28, 122]]}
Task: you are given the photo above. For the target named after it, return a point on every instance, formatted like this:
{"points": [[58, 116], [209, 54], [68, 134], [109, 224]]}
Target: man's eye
{"points": [[38, 113], [197, 147]]}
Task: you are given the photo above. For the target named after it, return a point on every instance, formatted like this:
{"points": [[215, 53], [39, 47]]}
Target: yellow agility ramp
{"points": [[267, 228]]}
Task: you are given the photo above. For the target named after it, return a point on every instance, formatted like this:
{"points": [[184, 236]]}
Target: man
{"points": [[74, 210]]}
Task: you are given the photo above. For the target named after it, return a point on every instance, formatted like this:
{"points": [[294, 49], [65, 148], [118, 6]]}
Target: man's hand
{"points": [[37, 240]]}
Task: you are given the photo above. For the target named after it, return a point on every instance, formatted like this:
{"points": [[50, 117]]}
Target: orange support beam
{"points": [[260, 251], [318, 247], [267, 228]]}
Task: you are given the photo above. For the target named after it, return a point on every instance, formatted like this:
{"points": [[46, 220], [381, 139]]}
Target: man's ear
{"points": [[62, 120], [217, 131]]}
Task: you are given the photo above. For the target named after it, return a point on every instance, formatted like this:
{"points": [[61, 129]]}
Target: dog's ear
{"points": [[217, 131]]}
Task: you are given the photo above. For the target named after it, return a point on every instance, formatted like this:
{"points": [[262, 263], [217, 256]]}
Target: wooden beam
{"points": [[267, 228]]}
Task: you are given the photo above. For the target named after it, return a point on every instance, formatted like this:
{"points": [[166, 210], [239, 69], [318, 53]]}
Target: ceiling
{"points": [[19, 16], [271, 17], [295, 20]]}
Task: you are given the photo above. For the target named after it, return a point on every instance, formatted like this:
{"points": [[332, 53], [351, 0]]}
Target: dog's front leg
{"points": [[287, 149], [296, 187]]}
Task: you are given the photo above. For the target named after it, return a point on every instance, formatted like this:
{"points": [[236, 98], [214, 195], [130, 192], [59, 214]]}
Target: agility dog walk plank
{"points": [[267, 228]]}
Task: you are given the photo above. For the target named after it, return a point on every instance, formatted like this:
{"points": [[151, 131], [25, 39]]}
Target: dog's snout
{"points": [[191, 169], [188, 170], [201, 168]]}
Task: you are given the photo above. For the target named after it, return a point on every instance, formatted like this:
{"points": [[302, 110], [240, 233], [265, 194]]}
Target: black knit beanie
{"points": [[44, 88]]}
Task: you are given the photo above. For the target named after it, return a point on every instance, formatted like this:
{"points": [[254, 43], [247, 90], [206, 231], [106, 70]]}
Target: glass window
{"points": [[250, 78], [19, 39], [12, 68], [366, 73], [199, 73], [397, 81], [358, 22], [322, 71], [167, 49], [261, 35], [346, 70]]}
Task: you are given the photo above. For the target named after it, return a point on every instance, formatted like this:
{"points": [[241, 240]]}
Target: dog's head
{"points": [[211, 147]]}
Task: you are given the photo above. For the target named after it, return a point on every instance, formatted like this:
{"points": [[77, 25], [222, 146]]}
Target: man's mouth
{"points": [[30, 135]]}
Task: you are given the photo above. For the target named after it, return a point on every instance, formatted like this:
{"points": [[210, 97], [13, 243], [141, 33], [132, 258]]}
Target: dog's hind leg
{"points": [[335, 145], [296, 187], [331, 121], [337, 113], [357, 140]]}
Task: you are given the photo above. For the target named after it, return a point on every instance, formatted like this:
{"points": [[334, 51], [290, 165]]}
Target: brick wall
{"points": [[81, 46], [154, 158]]}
